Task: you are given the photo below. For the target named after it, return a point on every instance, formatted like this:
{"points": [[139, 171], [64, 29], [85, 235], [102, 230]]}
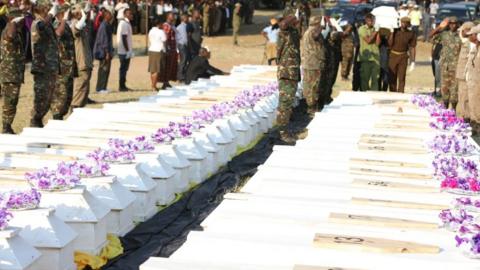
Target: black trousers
{"points": [[124, 65], [103, 74]]}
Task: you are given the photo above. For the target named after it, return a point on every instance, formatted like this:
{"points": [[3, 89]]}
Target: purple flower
{"points": [[451, 144], [5, 217], [21, 199], [65, 176]]}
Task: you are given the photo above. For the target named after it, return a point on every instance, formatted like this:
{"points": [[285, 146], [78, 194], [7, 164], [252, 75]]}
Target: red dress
{"points": [[171, 61]]}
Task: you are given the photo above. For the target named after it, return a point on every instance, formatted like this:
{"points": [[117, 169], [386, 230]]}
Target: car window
{"points": [[462, 14]]}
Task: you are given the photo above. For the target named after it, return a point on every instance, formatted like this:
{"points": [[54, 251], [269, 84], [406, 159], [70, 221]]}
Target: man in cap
{"points": [[237, 21], [288, 71], [45, 60], [462, 106], [271, 35], [415, 19], [313, 62], [401, 42], [62, 96], [348, 47], [451, 45], [12, 66], [369, 55], [403, 12], [83, 55], [472, 78]]}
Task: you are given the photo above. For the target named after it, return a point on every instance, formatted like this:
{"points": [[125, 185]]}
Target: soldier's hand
{"points": [[444, 23]]}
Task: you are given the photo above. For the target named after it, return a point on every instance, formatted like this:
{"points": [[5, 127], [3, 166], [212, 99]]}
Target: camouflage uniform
{"points": [[62, 96], [313, 62], [347, 55], [45, 68], [451, 45], [12, 68], [288, 71], [333, 55]]}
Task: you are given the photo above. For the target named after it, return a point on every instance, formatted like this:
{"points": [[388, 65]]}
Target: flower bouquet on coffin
{"points": [[17, 200], [453, 219], [65, 176], [461, 185], [451, 144], [469, 241], [468, 204], [426, 102], [5, 216], [449, 166], [446, 121]]}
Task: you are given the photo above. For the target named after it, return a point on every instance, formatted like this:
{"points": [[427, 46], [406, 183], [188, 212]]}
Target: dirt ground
{"points": [[224, 56]]}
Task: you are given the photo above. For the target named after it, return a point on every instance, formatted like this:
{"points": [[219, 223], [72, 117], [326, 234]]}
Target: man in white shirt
{"points": [[156, 52], [403, 12], [125, 47], [120, 9], [434, 8], [182, 46]]}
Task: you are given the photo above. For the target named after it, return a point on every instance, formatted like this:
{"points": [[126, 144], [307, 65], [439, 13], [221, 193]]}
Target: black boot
{"points": [[445, 103], [7, 129], [36, 123], [57, 117]]}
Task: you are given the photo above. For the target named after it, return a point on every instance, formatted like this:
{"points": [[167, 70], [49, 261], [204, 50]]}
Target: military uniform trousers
{"points": [[62, 96], [397, 69], [287, 90], [369, 74], [473, 93], [206, 26], [10, 94], [311, 88], [103, 74], [449, 85], [43, 88], [81, 88], [236, 30], [347, 61], [462, 106]]}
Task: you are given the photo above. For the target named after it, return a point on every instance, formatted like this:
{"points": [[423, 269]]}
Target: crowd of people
{"points": [[62, 40], [379, 56]]}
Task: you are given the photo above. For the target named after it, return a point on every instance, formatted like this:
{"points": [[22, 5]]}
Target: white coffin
{"points": [[173, 157], [162, 173], [197, 156], [137, 181], [15, 252], [120, 200], [84, 213], [49, 235]]}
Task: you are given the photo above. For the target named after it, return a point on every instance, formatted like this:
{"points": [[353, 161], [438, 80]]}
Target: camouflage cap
{"points": [[453, 19], [15, 12], [288, 11], [314, 20], [77, 8], [475, 30], [44, 3], [64, 8]]}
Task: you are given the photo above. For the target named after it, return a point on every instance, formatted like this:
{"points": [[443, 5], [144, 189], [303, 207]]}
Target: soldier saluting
{"points": [[12, 66], [45, 60], [288, 70]]}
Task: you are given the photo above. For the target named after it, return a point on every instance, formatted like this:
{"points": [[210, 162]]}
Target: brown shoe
{"points": [[302, 134]]}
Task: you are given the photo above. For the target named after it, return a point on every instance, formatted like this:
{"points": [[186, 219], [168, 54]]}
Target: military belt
{"points": [[397, 53]]}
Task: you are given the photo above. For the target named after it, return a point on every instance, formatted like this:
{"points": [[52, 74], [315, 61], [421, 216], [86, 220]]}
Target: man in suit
{"points": [[199, 67]]}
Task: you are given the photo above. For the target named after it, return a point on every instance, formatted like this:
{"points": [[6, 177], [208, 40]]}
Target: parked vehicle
{"points": [[462, 12], [473, 6]]}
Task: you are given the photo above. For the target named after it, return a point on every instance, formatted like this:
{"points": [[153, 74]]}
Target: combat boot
{"points": [[302, 134], [57, 117], [7, 129], [35, 123], [287, 137]]}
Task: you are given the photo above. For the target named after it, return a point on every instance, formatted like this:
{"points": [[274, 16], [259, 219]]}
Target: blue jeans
{"points": [[183, 63], [124, 64]]}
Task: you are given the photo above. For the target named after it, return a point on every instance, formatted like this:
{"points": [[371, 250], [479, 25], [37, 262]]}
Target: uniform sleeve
{"points": [[76, 33], [413, 41], [37, 31]]}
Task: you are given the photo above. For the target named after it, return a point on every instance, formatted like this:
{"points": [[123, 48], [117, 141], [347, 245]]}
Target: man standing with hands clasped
{"points": [[369, 56], [451, 45], [125, 47], [402, 42]]}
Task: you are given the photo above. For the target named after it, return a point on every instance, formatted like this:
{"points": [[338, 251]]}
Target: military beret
{"points": [[475, 30], [405, 20], [15, 12], [315, 20]]}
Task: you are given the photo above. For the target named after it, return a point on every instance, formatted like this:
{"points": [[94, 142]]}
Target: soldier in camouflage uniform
{"points": [[62, 96], [451, 45], [347, 51], [45, 61], [288, 71], [333, 55], [12, 66], [313, 62]]}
